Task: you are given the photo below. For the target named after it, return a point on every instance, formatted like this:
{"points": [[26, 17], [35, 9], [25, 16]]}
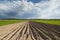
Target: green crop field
{"points": [[55, 22], [5, 22]]}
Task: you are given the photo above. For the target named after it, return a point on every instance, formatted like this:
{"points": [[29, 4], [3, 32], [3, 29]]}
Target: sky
{"points": [[30, 9]]}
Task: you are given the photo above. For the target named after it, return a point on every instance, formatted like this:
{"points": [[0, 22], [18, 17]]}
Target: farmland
{"points": [[54, 21], [30, 30], [5, 22]]}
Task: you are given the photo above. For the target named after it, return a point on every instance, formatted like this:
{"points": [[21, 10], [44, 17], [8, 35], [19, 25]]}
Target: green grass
{"points": [[5, 22], [55, 22]]}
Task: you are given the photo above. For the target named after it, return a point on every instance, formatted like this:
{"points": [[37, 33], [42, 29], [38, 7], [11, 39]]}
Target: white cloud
{"points": [[44, 9]]}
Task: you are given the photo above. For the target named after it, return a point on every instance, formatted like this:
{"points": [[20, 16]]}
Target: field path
{"points": [[30, 30]]}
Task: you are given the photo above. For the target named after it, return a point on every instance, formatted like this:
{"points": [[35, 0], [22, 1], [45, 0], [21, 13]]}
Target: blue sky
{"points": [[30, 9], [35, 1]]}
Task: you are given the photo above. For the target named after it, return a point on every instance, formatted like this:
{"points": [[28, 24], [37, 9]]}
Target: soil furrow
{"points": [[30, 30]]}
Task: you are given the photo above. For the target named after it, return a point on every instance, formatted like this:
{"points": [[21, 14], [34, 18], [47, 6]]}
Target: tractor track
{"points": [[30, 30]]}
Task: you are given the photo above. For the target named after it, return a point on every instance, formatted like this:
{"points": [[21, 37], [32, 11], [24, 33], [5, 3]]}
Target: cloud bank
{"points": [[44, 9]]}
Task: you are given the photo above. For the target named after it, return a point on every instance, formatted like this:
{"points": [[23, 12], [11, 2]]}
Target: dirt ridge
{"points": [[30, 30]]}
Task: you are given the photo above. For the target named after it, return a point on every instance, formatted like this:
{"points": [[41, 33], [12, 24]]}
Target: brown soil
{"points": [[30, 31]]}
